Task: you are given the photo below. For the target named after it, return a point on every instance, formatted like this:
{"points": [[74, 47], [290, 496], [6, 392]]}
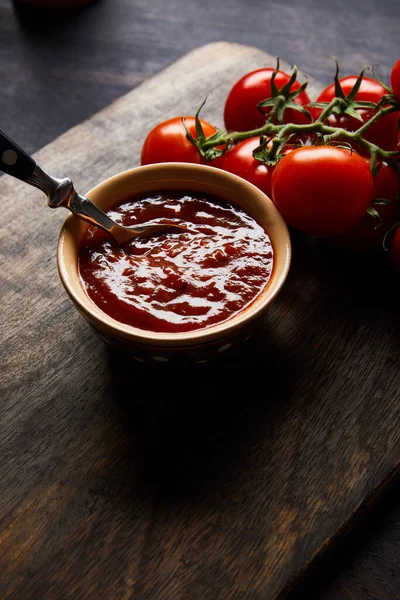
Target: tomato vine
{"points": [[349, 187], [275, 136]]}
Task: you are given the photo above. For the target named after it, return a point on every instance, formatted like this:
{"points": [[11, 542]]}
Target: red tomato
{"points": [[240, 161], [368, 233], [395, 250], [370, 89], [167, 142], [241, 113], [322, 190], [395, 79], [383, 132]]}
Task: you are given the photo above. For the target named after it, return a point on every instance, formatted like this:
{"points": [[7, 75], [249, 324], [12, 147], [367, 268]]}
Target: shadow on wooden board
{"points": [[191, 427]]}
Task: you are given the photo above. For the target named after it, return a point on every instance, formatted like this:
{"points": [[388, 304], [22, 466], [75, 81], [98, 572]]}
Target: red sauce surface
{"points": [[176, 281]]}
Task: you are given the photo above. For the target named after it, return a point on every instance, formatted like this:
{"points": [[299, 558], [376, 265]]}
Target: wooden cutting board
{"points": [[220, 481]]}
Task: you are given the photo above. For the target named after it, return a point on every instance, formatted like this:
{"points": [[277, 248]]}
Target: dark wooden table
{"points": [[57, 74]]}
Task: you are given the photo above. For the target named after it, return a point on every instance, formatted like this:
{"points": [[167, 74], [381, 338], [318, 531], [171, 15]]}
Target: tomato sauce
{"points": [[177, 282]]}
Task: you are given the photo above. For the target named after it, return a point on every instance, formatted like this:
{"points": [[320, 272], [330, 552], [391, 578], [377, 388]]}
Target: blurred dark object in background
{"points": [[42, 13], [52, 4]]}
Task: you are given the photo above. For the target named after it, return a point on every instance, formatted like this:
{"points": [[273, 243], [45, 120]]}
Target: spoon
{"points": [[60, 192]]}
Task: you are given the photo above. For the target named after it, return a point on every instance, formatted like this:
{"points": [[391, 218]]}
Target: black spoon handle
{"points": [[13, 160]]}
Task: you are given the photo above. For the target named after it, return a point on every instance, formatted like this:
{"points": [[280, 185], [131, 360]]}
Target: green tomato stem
{"points": [[281, 131], [329, 109], [380, 113]]}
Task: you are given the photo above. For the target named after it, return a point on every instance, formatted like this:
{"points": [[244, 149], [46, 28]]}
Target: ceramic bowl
{"points": [[198, 345]]}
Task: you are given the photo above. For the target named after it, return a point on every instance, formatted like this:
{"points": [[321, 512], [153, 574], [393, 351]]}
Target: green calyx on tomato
{"points": [[266, 95], [284, 98], [169, 141], [200, 138], [349, 96]]}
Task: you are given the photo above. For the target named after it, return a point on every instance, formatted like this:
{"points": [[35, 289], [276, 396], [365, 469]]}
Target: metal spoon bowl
{"points": [[60, 192]]}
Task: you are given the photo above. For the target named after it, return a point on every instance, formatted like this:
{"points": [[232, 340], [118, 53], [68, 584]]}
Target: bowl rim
{"points": [[128, 332]]}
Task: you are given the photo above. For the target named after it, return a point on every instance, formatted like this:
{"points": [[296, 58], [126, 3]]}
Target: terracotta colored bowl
{"points": [[197, 345]]}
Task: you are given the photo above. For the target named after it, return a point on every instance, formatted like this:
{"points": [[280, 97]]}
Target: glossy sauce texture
{"points": [[178, 282]]}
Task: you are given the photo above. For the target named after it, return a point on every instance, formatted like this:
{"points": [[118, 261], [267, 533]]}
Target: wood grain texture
{"points": [[366, 566], [223, 481]]}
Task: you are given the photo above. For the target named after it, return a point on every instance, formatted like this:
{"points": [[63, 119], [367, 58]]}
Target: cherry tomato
{"points": [[370, 89], [240, 161], [383, 133], [322, 190], [395, 250], [240, 111], [368, 233], [167, 142], [395, 79]]}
